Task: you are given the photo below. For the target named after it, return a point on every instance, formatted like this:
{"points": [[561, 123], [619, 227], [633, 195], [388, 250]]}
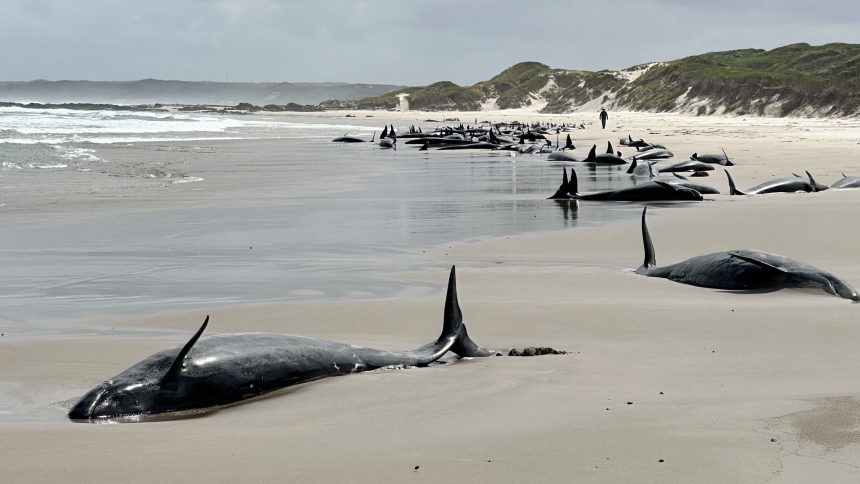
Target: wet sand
{"points": [[664, 383]]}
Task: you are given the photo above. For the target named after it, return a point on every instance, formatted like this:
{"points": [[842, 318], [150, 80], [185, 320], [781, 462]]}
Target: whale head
{"points": [[151, 386], [843, 289], [118, 397]]}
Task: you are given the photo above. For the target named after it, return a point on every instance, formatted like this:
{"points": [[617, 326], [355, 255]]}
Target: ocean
{"points": [[108, 212]]}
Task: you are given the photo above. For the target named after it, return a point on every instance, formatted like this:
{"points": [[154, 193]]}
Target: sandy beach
{"points": [[664, 382]]}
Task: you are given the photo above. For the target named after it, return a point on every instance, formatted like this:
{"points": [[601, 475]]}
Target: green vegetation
{"points": [[798, 78], [794, 79]]}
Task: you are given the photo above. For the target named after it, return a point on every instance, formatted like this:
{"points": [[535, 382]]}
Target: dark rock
{"points": [[536, 351]]}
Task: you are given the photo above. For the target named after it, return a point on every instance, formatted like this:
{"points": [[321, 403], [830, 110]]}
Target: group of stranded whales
{"points": [[210, 372]]}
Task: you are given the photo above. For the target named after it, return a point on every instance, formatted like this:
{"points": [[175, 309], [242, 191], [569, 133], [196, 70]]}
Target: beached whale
{"points": [[559, 155], [722, 159], [847, 182], [608, 158], [347, 139], [641, 169], [647, 192], [684, 182], [789, 184], [222, 369], [629, 141], [743, 269], [652, 154], [686, 165]]}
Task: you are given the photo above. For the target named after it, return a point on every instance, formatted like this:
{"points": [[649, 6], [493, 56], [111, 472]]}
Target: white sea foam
{"points": [[188, 179], [61, 126], [76, 154]]}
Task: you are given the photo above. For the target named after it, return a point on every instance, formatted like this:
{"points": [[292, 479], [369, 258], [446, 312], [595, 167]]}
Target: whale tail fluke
{"points": [[732, 188], [573, 185], [563, 189], [453, 327], [650, 258]]}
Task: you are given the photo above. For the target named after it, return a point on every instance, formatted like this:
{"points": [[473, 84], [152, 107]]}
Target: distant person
{"points": [[603, 117]]}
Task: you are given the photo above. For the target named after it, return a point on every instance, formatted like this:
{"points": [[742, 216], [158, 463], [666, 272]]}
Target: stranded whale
{"points": [[743, 269], [227, 368], [651, 191]]}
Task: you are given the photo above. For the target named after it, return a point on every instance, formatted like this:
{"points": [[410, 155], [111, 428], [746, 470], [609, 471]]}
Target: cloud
{"points": [[387, 42]]}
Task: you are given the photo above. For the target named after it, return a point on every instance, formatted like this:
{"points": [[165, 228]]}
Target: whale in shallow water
{"points": [[847, 182], [608, 158], [722, 159], [743, 269], [788, 184], [218, 370], [559, 155], [651, 191]]}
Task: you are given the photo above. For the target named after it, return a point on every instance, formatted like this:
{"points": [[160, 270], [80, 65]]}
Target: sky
{"points": [[412, 42]]}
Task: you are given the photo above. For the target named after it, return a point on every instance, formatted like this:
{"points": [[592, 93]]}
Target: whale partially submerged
{"points": [[847, 182], [651, 191], [789, 184], [743, 269], [217, 370], [609, 158]]}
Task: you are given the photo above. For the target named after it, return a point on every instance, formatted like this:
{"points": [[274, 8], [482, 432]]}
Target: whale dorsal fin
{"points": [[609, 149], [694, 156], [732, 189], [176, 367], [632, 166], [651, 170], [812, 182], [758, 262], [592, 154], [650, 258], [373, 139], [728, 161]]}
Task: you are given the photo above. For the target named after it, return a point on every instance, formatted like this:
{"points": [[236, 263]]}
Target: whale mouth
{"points": [[146, 417]]}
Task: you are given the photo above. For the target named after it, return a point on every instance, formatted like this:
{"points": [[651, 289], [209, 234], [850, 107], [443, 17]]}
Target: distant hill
{"points": [[151, 91], [797, 79]]}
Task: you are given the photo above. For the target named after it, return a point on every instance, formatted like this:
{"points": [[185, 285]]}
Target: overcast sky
{"points": [[412, 42]]}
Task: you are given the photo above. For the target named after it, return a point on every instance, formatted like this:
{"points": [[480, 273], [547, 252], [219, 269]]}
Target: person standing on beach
{"points": [[603, 117]]}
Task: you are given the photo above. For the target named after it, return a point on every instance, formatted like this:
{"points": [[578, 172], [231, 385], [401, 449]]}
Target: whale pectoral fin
{"points": [[759, 262]]}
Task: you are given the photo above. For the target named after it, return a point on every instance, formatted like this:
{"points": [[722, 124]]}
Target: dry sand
{"points": [[664, 383]]}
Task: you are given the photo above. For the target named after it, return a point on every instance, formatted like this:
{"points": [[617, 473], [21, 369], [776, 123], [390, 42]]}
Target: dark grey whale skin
{"points": [[743, 269], [778, 185], [646, 192], [847, 182], [223, 369]]}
